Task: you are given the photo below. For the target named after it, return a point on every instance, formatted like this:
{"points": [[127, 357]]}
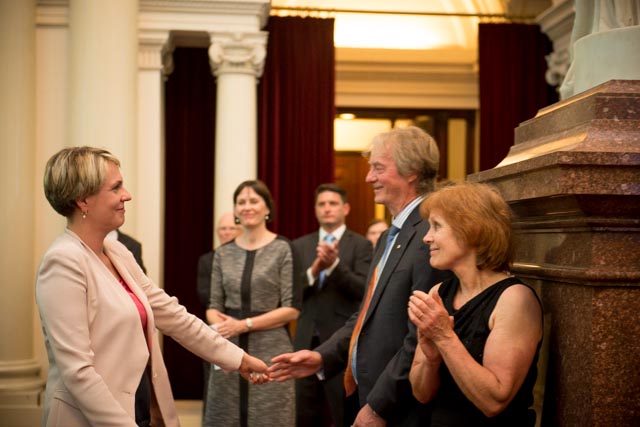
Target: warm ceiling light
{"points": [[392, 32], [347, 116]]}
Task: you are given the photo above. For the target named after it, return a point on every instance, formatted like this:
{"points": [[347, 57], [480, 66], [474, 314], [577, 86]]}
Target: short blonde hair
{"points": [[479, 217], [413, 151], [73, 174]]}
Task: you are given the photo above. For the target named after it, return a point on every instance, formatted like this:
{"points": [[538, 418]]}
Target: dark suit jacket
{"points": [[326, 310], [134, 247], [387, 340], [203, 283]]}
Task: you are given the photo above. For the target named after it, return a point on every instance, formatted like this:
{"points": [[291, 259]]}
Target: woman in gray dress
{"points": [[253, 299]]}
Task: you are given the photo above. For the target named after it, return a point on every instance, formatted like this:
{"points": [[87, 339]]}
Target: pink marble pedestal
{"points": [[573, 181]]}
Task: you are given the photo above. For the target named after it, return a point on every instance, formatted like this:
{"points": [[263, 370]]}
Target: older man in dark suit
{"points": [[227, 230], [336, 261], [376, 345]]}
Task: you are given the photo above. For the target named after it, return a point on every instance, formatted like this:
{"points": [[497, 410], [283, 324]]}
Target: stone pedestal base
{"points": [[573, 181]]}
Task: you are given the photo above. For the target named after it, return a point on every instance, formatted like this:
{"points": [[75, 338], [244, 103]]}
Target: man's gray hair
{"points": [[413, 151]]}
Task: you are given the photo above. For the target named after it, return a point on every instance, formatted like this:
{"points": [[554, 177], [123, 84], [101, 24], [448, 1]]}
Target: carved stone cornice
{"points": [[238, 53], [203, 15], [155, 51]]}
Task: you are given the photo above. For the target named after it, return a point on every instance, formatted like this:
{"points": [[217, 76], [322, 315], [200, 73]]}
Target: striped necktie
{"points": [[349, 373]]}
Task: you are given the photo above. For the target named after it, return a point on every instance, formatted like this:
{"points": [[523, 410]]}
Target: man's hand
{"points": [[253, 370], [294, 365], [326, 255], [368, 418]]}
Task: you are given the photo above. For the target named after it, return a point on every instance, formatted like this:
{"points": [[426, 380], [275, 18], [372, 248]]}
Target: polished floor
{"points": [[190, 412]]}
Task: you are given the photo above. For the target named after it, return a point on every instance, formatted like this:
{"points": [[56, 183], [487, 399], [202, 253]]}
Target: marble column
{"points": [[154, 64], [20, 383], [103, 83], [237, 61], [573, 181]]}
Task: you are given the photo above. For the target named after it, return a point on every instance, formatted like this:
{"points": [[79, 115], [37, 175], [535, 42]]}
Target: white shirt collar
{"points": [[399, 220], [337, 233]]}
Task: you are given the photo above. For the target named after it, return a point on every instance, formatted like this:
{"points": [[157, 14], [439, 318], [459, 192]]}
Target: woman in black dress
{"points": [[479, 334]]}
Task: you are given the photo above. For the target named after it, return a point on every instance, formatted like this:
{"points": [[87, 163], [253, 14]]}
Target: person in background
{"points": [[376, 345], [227, 230], [253, 300], [134, 246], [375, 228], [480, 332], [100, 312], [336, 262]]}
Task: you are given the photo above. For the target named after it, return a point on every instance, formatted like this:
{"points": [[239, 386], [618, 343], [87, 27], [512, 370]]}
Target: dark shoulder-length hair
{"points": [[479, 217], [261, 190]]}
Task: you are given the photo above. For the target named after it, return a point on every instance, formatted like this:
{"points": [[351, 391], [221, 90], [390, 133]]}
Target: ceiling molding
{"points": [[407, 78]]}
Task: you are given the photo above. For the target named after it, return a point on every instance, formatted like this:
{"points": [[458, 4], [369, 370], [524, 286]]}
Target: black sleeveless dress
{"points": [[451, 408]]}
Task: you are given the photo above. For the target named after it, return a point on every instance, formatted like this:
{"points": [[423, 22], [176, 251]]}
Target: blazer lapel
{"points": [[121, 265], [406, 234], [309, 251], [345, 243]]}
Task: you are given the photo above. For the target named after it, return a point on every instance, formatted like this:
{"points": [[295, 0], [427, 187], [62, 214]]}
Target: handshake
{"points": [[285, 367], [253, 370]]}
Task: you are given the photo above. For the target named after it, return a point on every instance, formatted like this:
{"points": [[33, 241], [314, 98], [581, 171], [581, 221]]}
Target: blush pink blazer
{"points": [[95, 343]]}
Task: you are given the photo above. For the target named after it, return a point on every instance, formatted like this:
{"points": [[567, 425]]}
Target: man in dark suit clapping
{"points": [[375, 347], [336, 262]]}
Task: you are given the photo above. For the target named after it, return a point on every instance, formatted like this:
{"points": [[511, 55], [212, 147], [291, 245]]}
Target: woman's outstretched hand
{"points": [[253, 370]]}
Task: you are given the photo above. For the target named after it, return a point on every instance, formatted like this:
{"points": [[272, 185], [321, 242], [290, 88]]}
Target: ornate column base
{"points": [[573, 181], [21, 391]]}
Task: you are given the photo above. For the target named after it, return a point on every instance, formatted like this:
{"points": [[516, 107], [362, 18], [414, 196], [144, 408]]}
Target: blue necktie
{"points": [[329, 238], [393, 232]]}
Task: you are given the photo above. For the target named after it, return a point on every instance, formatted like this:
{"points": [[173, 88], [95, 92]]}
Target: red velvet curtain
{"points": [[512, 84], [295, 120], [190, 99]]}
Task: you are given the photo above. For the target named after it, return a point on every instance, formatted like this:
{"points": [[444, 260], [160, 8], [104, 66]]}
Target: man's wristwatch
{"points": [[249, 323]]}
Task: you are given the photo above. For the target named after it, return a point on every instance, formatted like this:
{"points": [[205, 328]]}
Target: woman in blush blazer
{"points": [[100, 312]]}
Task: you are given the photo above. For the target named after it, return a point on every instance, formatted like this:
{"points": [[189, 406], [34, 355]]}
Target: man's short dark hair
{"points": [[334, 188]]}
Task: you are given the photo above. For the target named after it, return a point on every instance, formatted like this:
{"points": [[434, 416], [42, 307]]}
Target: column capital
{"points": [[155, 51], [238, 52]]}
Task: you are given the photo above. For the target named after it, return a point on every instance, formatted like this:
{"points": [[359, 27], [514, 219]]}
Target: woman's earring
{"points": [[84, 214], [267, 217], [236, 220]]}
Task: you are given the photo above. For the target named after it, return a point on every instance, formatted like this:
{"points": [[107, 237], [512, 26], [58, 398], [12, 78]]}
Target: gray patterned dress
{"points": [[244, 284]]}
